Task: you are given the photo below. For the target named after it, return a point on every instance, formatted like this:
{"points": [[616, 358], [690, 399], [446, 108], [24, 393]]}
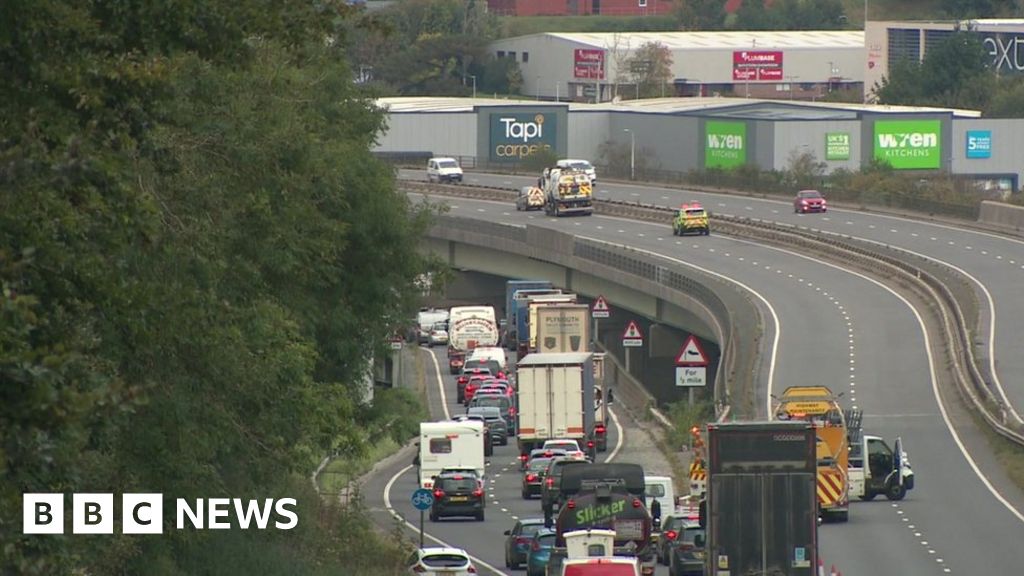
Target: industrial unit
{"points": [[598, 67], [684, 134], [888, 42]]}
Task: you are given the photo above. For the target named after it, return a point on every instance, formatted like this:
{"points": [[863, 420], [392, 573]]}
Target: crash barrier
{"points": [[923, 276], [721, 305], [1004, 217]]}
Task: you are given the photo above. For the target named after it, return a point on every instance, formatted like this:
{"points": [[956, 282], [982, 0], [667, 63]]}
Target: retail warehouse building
{"points": [[597, 67], [693, 134]]}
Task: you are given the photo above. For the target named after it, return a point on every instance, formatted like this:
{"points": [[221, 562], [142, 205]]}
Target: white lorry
{"points": [[450, 444], [556, 399], [468, 328]]}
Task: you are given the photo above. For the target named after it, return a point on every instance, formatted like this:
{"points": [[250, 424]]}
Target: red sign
{"points": [[632, 336], [588, 64], [749, 65], [692, 353], [600, 308]]}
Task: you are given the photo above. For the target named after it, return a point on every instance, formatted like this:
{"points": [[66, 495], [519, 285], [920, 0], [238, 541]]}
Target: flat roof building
{"points": [[597, 67]]}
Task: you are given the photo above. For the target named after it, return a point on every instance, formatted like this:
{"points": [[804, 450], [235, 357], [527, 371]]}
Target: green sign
{"points": [[599, 512], [725, 144], [909, 144], [837, 146], [514, 136]]}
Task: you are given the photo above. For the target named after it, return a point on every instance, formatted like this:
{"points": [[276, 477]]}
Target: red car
{"points": [[809, 201], [463, 379], [474, 383]]}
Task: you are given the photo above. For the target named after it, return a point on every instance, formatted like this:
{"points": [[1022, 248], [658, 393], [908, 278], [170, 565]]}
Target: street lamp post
{"points": [[632, 153], [474, 85]]}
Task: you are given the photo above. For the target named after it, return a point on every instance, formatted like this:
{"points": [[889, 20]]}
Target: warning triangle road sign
{"points": [[632, 332], [600, 308], [692, 353]]}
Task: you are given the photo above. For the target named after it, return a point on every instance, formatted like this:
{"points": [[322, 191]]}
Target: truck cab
{"points": [[877, 469], [567, 191]]}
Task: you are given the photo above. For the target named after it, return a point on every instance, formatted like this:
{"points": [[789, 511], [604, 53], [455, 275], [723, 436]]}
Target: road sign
{"points": [[600, 309], [690, 376], [692, 353], [422, 499], [396, 344], [632, 337]]}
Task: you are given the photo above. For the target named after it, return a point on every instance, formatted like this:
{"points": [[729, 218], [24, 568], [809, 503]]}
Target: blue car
{"points": [[540, 552]]}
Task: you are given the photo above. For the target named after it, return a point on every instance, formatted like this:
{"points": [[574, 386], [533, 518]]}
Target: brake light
{"points": [[536, 545], [637, 503], [671, 534], [531, 477], [512, 411], [549, 454], [599, 429], [522, 457], [419, 569], [438, 494], [478, 493], [590, 443], [550, 482], [471, 569], [570, 504]]}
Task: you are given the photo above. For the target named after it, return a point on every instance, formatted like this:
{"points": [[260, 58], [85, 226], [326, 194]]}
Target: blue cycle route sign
{"points": [[422, 499]]}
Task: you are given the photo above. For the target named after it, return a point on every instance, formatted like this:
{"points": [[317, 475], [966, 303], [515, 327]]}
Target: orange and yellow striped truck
{"points": [[818, 405]]}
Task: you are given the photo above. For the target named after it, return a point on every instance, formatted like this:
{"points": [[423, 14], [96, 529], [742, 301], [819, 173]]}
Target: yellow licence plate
{"points": [[458, 498], [698, 554]]}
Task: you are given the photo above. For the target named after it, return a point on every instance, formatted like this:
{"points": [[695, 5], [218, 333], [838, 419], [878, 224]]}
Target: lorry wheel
{"points": [[895, 491], [868, 495], [843, 516]]}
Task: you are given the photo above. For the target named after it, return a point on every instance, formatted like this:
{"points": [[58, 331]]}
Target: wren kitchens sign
{"points": [[909, 144], [514, 136], [725, 144]]}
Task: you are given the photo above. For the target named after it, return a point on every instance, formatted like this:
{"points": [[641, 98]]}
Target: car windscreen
{"points": [[539, 464], [444, 561], [458, 484], [472, 365], [447, 164], [690, 533], [581, 165], [547, 540], [695, 212], [531, 529], [494, 400], [567, 446], [655, 490]]}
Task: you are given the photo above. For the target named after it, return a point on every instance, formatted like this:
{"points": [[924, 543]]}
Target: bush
{"points": [[539, 160]]}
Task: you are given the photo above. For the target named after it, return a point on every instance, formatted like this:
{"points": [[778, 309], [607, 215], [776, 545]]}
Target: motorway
{"points": [[838, 328]]}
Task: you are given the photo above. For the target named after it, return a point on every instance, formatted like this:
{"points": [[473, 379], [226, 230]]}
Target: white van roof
{"points": [[449, 426]]}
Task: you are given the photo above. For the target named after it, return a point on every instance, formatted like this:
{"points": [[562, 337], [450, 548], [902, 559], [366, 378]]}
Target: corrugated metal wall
{"points": [[443, 133]]}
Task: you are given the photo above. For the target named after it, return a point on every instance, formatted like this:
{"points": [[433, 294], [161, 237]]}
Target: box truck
{"points": [[555, 398]]}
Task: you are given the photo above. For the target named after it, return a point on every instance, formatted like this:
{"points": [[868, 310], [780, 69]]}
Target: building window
{"points": [[642, 3], [512, 55], [526, 56], [904, 44], [501, 53]]}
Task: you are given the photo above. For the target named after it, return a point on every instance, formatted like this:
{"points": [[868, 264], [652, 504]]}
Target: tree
{"points": [[700, 14], [789, 15], [651, 68]]}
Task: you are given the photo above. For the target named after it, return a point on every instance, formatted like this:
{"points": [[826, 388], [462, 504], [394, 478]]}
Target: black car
{"points": [[457, 494], [508, 410], [518, 542], [671, 528], [550, 495], [687, 555], [533, 476], [494, 422]]}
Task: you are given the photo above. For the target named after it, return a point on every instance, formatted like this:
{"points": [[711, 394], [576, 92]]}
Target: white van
{"points": [[426, 320], [450, 444], [662, 489], [581, 165], [488, 353], [444, 170]]}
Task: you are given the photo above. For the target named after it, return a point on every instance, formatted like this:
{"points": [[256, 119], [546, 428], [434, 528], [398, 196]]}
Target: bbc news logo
{"points": [[43, 513]]}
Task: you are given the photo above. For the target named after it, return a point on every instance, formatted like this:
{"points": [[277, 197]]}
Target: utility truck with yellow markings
{"points": [[819, 406]]}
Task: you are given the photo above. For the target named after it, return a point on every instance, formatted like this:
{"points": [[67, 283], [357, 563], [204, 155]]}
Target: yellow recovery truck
{"points": [[818, 405]]}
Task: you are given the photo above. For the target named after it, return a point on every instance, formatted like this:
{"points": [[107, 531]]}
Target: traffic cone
{"points": [[833, 571], [821, 567]]}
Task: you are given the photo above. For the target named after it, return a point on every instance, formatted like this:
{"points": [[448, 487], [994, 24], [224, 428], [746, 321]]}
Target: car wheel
{"points": [[433, 517], [514, 565], [895, 491]]}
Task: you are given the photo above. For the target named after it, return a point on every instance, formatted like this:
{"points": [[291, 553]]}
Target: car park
{"points": [[438, 561], [518, 540], [457, 494], [495, 423], [809, 201], [444, 170], [530, 198], [686, 557], [540, 552]]}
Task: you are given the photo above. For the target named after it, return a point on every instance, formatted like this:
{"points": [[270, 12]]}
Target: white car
{"points": [[441, 562], [570, 446], [444, 170], [438, 336], [581, 165]]}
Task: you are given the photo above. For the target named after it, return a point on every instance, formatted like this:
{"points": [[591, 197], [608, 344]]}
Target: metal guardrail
{"points": [[971, 383]]}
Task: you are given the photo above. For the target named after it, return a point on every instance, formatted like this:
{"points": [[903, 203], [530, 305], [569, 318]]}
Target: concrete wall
{"points": [[1008, 217]]}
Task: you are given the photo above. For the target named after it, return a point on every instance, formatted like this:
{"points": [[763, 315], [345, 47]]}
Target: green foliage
{"points": [[700, 14], [542, 158], [804, 170], [197, 254], [512, 26], [684, 416], [651, 68], [789, 15]]}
